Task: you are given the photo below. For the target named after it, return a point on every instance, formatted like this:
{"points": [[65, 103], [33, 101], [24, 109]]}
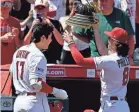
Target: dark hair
{"points": [[39, 30], [122, 49], [67, 6], [85, 9]]}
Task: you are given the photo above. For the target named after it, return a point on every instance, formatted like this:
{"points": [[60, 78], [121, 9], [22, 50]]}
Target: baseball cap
{"points": [[46, 3], [118, 34], [41, 3]]}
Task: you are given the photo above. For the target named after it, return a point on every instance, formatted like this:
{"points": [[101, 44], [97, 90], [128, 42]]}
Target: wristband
{"points": [[71, 42]]}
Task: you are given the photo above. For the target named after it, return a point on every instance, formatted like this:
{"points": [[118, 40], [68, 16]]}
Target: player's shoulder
{"points": [[108, 58], [31, 49]]}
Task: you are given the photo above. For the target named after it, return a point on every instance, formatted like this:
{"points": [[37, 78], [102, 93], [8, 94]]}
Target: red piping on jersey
{"points": [[79, 59]]}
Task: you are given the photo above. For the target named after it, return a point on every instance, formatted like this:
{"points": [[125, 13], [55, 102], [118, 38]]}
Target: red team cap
{"points": [[118, 34]]}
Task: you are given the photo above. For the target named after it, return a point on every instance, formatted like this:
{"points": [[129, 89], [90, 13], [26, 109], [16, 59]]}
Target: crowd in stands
{"points": [[19, 16]]}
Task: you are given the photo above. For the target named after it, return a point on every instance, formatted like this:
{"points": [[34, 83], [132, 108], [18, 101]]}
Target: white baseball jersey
{"points": [[28, 62], [114, 75]]}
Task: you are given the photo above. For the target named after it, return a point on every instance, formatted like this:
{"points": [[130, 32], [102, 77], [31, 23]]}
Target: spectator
{"points": [[10, 32], [41, 10], [66, 57], [52, 7], [110, 18], [130, 8]]}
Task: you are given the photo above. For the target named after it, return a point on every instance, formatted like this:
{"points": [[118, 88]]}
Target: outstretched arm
{"points": [[77, 56], [79, 59], [102, 49]]}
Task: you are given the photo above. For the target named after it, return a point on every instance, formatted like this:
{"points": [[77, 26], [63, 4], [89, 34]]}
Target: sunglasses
{"points": [[6, 4], [40, 7]]}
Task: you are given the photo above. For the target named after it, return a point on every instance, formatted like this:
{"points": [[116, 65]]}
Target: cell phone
{"points": [[39, 16]]}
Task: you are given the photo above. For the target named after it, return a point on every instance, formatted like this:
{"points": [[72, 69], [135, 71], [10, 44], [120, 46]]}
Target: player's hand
{"points": [[60, 93], [67, 37]]}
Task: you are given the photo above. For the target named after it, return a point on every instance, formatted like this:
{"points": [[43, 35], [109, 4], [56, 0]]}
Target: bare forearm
{"points": [[24, 23], [131, 46], [102, 49], [58, 36], [27, 38]]}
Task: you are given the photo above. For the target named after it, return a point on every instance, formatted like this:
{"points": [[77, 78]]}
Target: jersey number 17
{"points": [[21, 65]]}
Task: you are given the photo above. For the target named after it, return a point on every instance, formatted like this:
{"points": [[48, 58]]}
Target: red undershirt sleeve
{"points": [[46, 88], [79, 59]]}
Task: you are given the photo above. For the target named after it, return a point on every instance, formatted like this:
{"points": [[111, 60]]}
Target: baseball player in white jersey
{"points": [[29, 70], [114, 67]]}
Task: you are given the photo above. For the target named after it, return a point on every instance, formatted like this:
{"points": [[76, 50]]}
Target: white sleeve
{"points": [[37, 70], [37, 66]]}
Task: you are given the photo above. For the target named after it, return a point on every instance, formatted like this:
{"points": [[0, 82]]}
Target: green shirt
{"points": [[118, 18]]}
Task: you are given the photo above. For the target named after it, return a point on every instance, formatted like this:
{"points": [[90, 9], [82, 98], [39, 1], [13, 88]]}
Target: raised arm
{"points": [[131, 46], [24, 23], [27, 38], [77, 56], [102, 49], [57, 34]]}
